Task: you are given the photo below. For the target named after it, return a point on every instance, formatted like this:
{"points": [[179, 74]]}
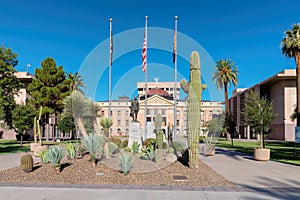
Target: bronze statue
{"points": [[134, 109]]}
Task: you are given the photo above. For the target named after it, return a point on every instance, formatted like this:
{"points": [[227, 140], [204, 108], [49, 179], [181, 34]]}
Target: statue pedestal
{"points": [[135, 134]]}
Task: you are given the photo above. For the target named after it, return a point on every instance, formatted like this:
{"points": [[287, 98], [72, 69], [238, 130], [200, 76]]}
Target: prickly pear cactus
{"points": [[159, 132], [194, 90]]}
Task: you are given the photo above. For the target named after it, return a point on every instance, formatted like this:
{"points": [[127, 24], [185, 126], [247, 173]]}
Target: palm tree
{"points": [[225, 73], [290, 46], [77, 106], [76, 82]]}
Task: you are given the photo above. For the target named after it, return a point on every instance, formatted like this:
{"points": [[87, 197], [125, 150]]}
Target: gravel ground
{"points": [[80, 171]]}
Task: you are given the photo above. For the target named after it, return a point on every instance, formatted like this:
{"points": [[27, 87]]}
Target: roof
{"points": [[158, 91]]}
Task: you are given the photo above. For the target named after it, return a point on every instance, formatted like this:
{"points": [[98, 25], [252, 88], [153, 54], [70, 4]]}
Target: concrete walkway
{"points": [[253, 179]]}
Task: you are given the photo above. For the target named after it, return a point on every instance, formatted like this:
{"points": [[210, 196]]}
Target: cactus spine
{"points": [[26, 162], [159, 132], [194, 90]]}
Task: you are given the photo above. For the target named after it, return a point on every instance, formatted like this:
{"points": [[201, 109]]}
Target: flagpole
{"points": [[175, 77], [110, 66], [146, 79]]}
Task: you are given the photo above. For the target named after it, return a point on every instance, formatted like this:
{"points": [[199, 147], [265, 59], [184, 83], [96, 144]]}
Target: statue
{"points": [[134, 109]]}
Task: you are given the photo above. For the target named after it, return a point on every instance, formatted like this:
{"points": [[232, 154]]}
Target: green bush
{"points": [[113, 148], [135, 147], [70, 147], [165, 145], [150, 141], [117, 141], [148, 153], [93, 144], [125, 143], [55, 155], [127, 149], [125, 162], [179, 146], [44, 156], [170, 150]]}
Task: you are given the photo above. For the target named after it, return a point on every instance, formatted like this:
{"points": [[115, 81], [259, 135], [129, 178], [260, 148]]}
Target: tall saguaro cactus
{"points": [[194, 90]]}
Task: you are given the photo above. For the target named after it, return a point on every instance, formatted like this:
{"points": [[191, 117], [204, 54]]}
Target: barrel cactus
{"points": [[26, 162], [193, 89], [158, 131]]}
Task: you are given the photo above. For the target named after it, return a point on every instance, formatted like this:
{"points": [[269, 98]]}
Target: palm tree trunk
{"points": [[226, 108], [96, 126], [81, 126], [297, 60]]}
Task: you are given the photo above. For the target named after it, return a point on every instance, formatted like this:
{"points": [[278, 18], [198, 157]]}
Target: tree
{"points": [[22, 119], [76, 82], [48, 89], [106, 123], [66, 124], [9, 84], [290, 46], [225, 73], [258, 113]]}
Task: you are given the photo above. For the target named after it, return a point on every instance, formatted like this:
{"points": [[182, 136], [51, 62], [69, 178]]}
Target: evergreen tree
{"points": [[9, 84], [49, 88]]}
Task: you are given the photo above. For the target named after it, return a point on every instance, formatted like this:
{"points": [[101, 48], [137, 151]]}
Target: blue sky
{"points": [[247, 32]]}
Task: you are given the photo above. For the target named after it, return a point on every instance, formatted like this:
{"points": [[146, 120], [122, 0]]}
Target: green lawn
{"points": [[12, 146], [280, 151]]}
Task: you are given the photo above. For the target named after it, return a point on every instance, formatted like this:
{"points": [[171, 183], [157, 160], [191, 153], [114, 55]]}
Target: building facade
{"points": [[281, 90], [159, 101]]}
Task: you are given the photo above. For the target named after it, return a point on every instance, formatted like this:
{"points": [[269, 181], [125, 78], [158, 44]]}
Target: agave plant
{"points": [[55, 155], [125, 162], [71, 150], [93, 143]]}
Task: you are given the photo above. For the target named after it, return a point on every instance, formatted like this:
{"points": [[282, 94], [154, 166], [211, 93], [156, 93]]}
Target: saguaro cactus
{"points": [[194, 90], [37, 127], [158, 131]]}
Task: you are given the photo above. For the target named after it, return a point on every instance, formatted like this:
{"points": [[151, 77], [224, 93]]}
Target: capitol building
{"points": [[160, 100]]}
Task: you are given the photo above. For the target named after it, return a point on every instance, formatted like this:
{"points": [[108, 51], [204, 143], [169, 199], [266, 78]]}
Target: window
{"points": [[178, 113], [119, 113], [202, 122], [210, 112], [148, 112], [202, 112], [127, 113], [127, 122], [185, 112], [102, 112], [119, 122], [163, 112], [148, 119], [177, 122]]}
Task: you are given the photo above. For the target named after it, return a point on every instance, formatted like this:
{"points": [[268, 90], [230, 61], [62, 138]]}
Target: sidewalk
{"points": [[253, 179]]}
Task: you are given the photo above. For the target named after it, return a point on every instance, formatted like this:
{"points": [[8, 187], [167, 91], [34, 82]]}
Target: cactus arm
{"points": [[185, 86], [34, 130]]}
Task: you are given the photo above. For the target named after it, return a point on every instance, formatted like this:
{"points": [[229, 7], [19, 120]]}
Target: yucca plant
{"points": [[44, 156], [149, 153], [93, 144], [135, 147], [70, 147], [55, 155], [125, 162]]}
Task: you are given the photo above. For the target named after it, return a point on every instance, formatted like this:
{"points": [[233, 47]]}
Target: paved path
{"points": [[254, 180]]}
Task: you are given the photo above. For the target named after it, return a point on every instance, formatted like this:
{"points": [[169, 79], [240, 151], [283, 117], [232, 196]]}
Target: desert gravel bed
{"points": [[80, 171]]}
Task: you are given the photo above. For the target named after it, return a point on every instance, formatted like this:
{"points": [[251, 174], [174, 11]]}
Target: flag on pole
{"points": [[111, 43], [144, 52], [174, 46]]}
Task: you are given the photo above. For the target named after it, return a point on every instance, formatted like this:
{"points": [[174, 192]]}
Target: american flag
{"points": [[174, 47], [111, 43], [144, 53]]}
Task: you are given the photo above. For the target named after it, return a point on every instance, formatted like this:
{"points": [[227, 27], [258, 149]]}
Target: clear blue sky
{"points": [[247, 32]]}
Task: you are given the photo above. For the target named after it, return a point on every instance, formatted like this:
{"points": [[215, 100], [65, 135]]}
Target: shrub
{"points": [[125, 162], [55, 155], [117, 141], [44, 156], [125, 143], [150, 141], [135, 147], [113, 148], [179, 146], [71, 149], [93, 144], [127, 149], [26, 162], [170, 150], [148, 153]]}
